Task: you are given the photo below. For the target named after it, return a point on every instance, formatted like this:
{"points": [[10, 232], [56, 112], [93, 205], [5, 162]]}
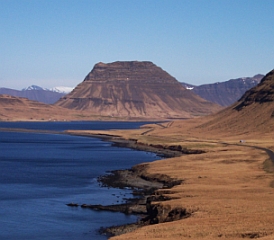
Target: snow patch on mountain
{"points": [[189, 88], [34, 87], [62, 89]]}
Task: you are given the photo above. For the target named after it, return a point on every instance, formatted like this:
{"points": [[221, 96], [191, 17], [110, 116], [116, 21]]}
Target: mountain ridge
{"points": [[36, 93], [225, 93]]}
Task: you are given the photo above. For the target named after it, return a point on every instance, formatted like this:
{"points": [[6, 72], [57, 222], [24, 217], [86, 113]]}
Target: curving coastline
{"points": [[149, 191]]}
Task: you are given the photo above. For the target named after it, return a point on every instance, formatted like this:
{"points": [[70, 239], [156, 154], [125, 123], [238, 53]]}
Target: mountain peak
{"points": [[123, 70], [33, 87]]}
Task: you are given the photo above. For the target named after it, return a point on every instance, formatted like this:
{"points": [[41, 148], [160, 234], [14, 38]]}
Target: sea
{"points": [[41, 172]]}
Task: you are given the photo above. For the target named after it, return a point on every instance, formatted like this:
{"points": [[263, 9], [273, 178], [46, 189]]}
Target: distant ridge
{"points": [[225, 93], [135, 89], [36, 93]]}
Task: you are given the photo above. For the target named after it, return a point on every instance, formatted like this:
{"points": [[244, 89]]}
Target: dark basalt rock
{"points": [[72, 204], [178, 148], [158, 213]]}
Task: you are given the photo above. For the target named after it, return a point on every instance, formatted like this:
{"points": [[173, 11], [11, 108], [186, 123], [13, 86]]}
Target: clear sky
{"points": [[57, 42]]}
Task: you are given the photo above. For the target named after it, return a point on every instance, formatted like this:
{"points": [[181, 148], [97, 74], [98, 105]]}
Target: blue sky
{"points": [[57, 42]]}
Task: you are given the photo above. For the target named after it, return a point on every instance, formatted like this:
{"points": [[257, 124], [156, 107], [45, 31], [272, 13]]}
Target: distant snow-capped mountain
{"points": [[59, 89], [39, 94]]}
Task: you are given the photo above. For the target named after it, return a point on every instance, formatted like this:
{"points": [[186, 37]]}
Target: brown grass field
{"points": [[228, 190]]}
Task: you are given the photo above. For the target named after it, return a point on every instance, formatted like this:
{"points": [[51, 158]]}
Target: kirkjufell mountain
{"points": [[135, 89]]}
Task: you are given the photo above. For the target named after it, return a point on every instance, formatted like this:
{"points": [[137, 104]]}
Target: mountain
{"points": [[36, 93], [135, 90], [225, 93], [252, 113]]}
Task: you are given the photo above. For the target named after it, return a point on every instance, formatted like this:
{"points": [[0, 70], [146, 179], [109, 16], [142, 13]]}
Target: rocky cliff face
{"points": [[135, 89], [225, 93]]}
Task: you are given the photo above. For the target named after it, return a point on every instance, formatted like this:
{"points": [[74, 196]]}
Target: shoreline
{"points": [[236, 176], [118, 141], [147, 189]]}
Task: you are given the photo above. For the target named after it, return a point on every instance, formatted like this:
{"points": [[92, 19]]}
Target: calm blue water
{"points": [[40, 173]]}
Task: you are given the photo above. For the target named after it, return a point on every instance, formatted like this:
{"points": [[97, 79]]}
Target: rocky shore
{"points": [[146, 192]]}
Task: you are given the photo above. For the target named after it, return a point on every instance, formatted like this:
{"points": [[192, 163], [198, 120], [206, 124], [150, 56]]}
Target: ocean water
{"points": [[40, 173]]}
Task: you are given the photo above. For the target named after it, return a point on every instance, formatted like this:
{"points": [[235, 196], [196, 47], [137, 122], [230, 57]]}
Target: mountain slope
{"points": [[135, 89], [23, 109], [225, 93]]}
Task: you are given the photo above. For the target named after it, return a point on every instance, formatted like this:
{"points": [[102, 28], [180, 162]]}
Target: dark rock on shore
{"points": [[127, 208], [161, 150], [157, 213], [158, 149], [72, 204], [130, 179]]}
